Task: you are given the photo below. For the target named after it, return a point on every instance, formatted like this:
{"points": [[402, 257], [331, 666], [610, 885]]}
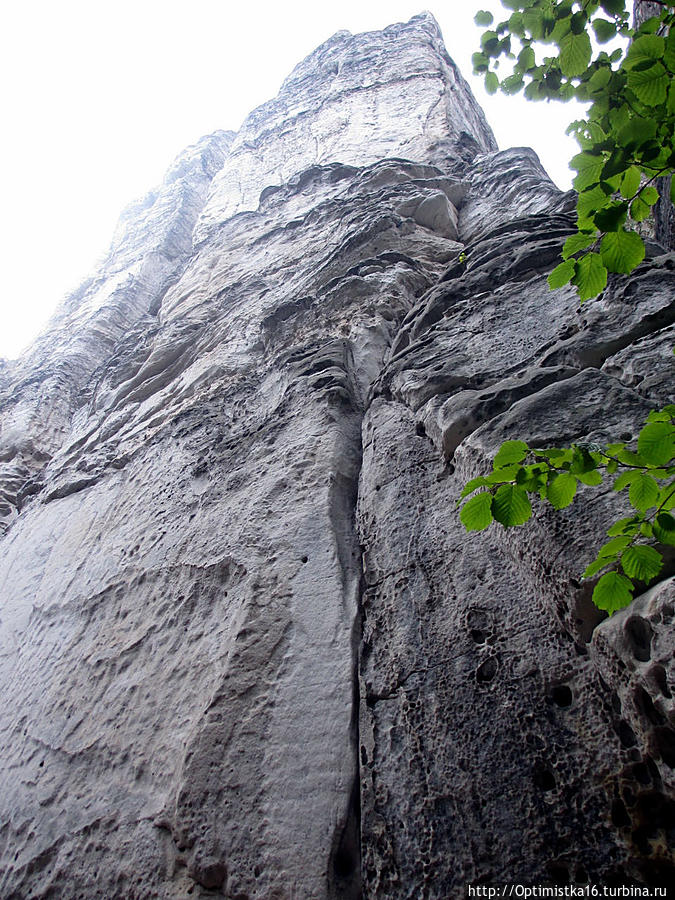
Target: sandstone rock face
{"points": [[247, 648]]}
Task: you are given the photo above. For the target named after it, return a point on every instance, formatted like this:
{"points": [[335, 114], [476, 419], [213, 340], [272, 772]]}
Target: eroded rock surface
{"points": [[247, 649]]}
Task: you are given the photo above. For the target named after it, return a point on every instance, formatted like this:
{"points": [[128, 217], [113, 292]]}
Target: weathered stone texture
{"points": [[356, 99], [246, 648]]}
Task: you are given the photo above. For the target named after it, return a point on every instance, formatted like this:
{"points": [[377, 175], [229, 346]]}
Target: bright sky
{"points": [[100, 95]]}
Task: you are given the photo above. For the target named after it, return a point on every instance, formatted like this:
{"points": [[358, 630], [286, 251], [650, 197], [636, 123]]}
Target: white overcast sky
{"points": [[100, 95]]}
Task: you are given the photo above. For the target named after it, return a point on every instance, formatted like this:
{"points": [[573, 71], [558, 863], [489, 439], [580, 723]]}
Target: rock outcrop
{"points": [[246, 648]]}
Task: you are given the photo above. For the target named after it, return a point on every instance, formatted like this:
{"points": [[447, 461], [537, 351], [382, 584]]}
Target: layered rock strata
{"points": [[247, 648]]}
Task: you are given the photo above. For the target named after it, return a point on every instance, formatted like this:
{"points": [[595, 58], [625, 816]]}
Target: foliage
{"points": [[627, 139], [627, 142], [646, 471]]}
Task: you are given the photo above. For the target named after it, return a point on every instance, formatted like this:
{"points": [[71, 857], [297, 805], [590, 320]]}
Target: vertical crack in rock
{"points": [[345, 861], [247, 647]]}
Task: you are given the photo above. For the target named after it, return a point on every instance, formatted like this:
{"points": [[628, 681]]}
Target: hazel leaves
{"points": [[646, 474], [588, 274], [627, 139], [631, 549]]}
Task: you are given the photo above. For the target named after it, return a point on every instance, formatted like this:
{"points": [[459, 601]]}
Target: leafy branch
{"points": [[627, 139], [554, 474]]}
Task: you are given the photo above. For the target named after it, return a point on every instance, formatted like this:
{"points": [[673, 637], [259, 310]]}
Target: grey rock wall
{"points": [[246, 648]]}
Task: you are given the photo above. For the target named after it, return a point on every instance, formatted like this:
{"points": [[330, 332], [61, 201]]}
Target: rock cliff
{"points": [[247, 649]]}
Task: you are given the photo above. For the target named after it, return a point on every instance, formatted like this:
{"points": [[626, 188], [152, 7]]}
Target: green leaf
{"points": [[669, 53], [512, 84], [590, 132], [491, 83], [639, 211], [649, 85], [629, 525], [476, 514], [619, 117], [629, 458], [630, 182], [515, 24], [575, 242], [666, 498], [604, 30], [591, 478], [534, 90], [471, 485], [483, 18], [649, 26], [612, 592], [588, 202], [556, 453], [643, 492], [596, 566], [531, 478], [561, 490], [510, 452], [480, 62], [615, 546], [533, 20], [599, 80], [612, 217], [635, 131], [578, 22], [502, 475], [591, 276], [613, 7], [656, 443], [575, 54], [653, 153], [589, 167], [622, 250], [642, 562], [488, 38], [615, 165], [526, 59], [511, 505], [562, 274], [650, 195], [659, 415], [625, 479], [644, 49], [664, 529], [583, 461]]}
